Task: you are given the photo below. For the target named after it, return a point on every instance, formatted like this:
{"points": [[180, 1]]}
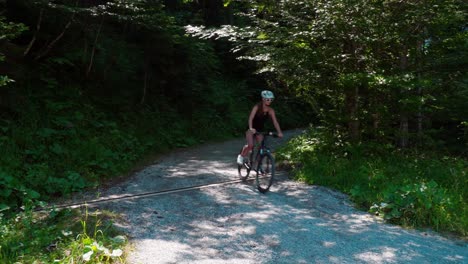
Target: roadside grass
{"points": [[413, 189], [46, 162], [60, 141], [65, 236]]}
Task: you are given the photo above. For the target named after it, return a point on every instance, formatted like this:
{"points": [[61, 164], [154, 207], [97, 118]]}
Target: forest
{"points": [[92, 89]]}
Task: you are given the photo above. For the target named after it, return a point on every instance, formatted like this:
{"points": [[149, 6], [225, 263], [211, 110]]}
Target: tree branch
{"points": [[38, 27], [51, 45], [94, 48]]}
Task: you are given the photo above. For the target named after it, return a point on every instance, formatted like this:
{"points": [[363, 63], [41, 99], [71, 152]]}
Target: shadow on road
{"points": [[294, 224], [233, 223]]}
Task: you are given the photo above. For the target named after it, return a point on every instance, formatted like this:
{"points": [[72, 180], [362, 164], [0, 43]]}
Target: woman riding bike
{"points": [[260, 113]]}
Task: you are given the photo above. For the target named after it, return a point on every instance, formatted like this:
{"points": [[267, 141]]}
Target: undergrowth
{"points": [[66, 236], [415, 189], [62, 143]]}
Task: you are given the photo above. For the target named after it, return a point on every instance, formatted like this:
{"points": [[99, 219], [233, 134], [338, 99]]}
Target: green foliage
{"points": [[414, 189], [63, 142], [99, 87], [418, 204], [60, 236], [70, 151], [224, 103], [8, 31], [365, 66]]}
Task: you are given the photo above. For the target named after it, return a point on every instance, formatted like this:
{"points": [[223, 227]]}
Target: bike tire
{"points": [[265, 172], [244, 171]]}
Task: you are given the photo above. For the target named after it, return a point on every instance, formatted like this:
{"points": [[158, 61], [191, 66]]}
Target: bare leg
{"points": [[249, 136]]}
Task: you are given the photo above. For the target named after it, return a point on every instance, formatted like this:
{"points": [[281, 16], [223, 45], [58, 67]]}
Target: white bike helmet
{"points": [[268, 94]]}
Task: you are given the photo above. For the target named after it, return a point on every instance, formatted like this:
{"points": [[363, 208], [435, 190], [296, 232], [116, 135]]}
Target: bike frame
{"points": [[264, 172], [259, 149]]}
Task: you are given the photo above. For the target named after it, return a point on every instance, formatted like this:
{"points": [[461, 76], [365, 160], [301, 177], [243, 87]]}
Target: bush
{"points": [[418, 189], [49, 237]]}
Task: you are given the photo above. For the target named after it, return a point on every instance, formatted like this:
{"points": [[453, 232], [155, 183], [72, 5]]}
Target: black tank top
{"points": [[259, 120]]}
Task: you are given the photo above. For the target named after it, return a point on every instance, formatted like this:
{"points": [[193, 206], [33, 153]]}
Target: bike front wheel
{"points": [[244, 171], [265, 172]]}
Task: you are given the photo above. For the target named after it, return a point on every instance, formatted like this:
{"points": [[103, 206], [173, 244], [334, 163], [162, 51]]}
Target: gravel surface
{"points": [[234, 223]]}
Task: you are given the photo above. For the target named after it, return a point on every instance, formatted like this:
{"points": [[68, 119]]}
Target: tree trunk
{"points": [[84, 55], [352, 105], [229, 17], [420, 116], [91, 60], [420, 48], [403, 140], [376, 119], [145, 84], [38, 27], [51, 44]]}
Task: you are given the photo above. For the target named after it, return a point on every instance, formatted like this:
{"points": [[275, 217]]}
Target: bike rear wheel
{"points": [[265, 172]]}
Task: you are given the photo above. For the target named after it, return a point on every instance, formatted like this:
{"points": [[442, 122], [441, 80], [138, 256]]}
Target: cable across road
{"points": [[137, 196]]}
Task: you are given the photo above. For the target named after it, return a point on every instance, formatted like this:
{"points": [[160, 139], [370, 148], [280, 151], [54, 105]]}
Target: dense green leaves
{"points": [[99, 85], [365, 65], [404, 187], [60, 236], [8, 31]]}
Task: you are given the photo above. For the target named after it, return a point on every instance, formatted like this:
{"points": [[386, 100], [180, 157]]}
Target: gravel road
{"points": [[234, 223]]}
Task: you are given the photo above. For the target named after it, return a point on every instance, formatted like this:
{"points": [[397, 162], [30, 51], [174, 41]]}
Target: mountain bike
{"points": [[262, 162]]}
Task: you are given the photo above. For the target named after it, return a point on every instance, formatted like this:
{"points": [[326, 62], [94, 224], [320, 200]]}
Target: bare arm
{"points": [[275, 122], [251, 117]]}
